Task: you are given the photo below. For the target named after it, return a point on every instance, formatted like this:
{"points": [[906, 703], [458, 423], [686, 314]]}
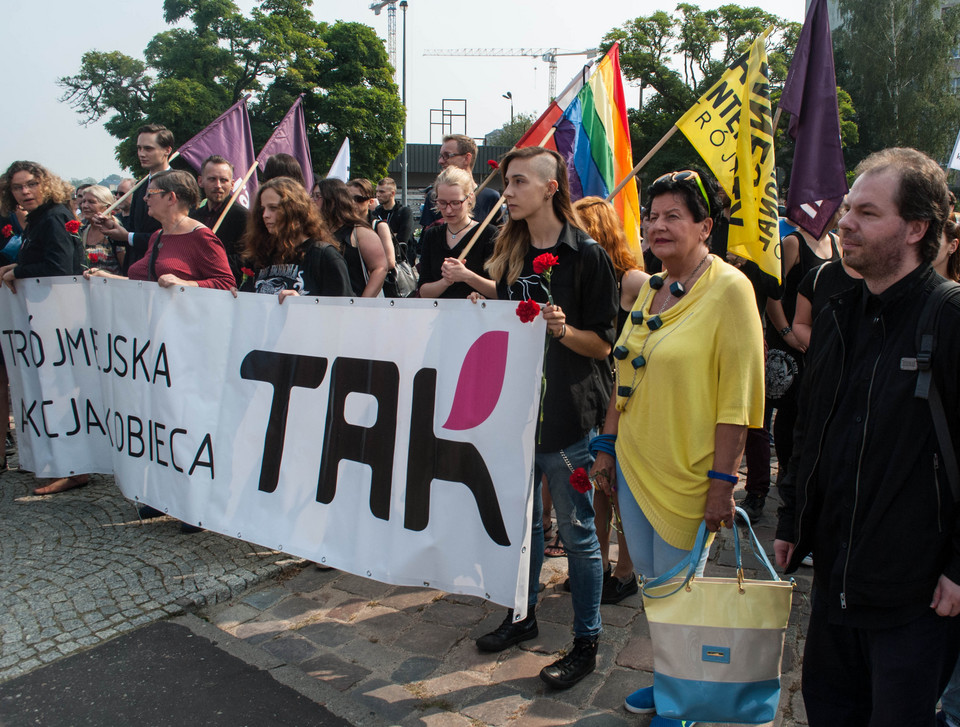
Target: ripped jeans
{"points": [[577, 532]]}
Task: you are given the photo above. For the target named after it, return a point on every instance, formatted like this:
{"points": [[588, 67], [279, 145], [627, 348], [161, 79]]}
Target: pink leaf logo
{"points": [[480, 382]]}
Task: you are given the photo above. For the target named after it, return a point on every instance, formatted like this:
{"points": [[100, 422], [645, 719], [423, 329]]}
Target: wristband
{"points": [[563, 331], [722, 476], [785, 330], [604, 443]]}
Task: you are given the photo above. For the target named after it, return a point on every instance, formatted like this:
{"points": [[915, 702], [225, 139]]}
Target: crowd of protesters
{"points": [[658, 383]]}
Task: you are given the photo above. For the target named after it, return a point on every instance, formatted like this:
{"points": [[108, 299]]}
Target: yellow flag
{"points": [[742, 162]]}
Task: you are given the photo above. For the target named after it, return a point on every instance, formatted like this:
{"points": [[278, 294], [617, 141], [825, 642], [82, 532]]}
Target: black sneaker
{"points": [[615, 590], [565, 672], [753, 506], [509, 633]]}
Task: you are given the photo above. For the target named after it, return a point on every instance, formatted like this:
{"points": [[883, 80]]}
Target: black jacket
{"points": [[882, 537], [48, 249]]}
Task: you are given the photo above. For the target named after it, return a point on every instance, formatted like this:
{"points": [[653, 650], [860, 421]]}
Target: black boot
{"points": [[569, 670], [509, 633]]}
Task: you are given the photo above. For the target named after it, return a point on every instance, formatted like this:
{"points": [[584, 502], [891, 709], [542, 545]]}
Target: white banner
{"points": [[388, 438]]}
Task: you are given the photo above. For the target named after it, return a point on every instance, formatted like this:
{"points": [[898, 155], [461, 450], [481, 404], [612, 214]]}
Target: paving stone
{"points": [[262, 600], [364, 587], [415, 669], [404, 598], [389, 701], [327, 633], [547, 713], [292, 649], [426, 638], [496, 706], [295, 609], [452, 614], [336, 672]]}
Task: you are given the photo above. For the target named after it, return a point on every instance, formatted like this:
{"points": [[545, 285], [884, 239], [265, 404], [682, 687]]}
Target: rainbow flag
{"points": [[594, 137]]}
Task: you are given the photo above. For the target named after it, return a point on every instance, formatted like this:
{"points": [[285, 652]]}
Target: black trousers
{"points": [[889, 677]]}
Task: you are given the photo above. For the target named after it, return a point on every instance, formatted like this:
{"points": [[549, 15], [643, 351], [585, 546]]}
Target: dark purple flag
{"points": [[290, 137], [818, 182], [229, 136]]}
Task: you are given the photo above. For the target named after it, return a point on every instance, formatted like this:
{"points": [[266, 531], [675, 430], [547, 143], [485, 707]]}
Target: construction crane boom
{"points": [[391, 6], [548, 55]]}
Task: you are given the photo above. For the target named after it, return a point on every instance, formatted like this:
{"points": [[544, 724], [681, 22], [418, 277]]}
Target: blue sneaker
{"points": [[659, 721], [640, 702]]}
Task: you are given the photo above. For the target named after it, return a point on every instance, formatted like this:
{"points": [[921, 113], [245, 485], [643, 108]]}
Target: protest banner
{"points": [[391, 439]]}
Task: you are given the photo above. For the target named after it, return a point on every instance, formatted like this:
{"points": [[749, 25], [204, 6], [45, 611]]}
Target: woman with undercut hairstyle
{"points": [[580, 313]]}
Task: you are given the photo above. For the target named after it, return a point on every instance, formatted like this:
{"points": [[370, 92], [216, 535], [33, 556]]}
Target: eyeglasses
{"points": [[447, 156], [683, 176], [151, 192], [358, 198], [25, 186], [453, 204]]}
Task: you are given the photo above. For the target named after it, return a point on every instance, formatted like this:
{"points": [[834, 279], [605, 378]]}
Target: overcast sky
{"points": [[45, 40]]}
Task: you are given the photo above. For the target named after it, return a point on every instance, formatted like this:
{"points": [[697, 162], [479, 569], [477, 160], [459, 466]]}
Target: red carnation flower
{"points": [[7, 231], [580, 480], [528, 310], [73, 227], [493, 164], [543, 263], [247, 272]]}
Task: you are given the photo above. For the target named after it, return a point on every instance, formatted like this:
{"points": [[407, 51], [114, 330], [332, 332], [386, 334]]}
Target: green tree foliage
{"points": [[675, 58], [893, 56], [190, 75], [510, 133]]}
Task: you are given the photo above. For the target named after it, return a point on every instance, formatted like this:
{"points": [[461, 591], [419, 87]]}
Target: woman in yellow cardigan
{"points": [[689, 381]]}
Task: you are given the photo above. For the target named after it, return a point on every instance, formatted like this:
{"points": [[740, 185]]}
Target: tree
{"points": [[676, 58], [893, 56], [510, 133], [189, 76]]}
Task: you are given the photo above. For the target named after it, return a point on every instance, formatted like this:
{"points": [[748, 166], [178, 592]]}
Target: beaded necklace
{"points": [[654, 323]]}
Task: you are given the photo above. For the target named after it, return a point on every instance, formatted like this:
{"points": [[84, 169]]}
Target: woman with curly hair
{"points": [[359, 244], [50, 244], [284, 245]]}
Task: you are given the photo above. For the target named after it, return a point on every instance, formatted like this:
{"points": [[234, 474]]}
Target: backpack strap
{"points": [[926, 341]]}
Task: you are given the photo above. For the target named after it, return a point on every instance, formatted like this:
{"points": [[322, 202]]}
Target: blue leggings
{"points": [[651, 554]]}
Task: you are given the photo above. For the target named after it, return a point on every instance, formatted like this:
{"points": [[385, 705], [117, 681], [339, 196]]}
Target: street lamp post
{"points": [[403, 100], [509, 96]]}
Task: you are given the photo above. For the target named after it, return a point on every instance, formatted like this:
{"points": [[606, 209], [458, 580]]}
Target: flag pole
{"points": [[493, 210], [134, 188], [233, 197], [643, 162]]}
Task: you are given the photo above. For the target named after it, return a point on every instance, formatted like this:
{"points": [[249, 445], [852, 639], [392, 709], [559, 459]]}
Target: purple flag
{"points": [[290, 137], [818, 182], [229, 136]]}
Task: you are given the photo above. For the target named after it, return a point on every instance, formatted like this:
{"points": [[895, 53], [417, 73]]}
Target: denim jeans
{"points": [[950, 701], [577, 532]]}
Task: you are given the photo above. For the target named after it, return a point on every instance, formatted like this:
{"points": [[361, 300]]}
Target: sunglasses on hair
{"points": [[358, 198], [684, 176]]}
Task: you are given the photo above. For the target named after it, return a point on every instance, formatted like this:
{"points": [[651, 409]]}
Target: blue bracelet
{"points": [[604, 443], [714, 475]]}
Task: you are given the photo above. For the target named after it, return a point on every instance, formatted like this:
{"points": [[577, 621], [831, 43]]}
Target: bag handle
{"points": [[688, 566]]}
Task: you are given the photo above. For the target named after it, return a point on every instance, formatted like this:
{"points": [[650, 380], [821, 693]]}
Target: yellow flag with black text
{"points": [[742, 162]]}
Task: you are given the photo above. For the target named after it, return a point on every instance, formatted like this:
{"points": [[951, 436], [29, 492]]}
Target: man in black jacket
{"points": [[154, 147], [866, 490], [216, 179]]}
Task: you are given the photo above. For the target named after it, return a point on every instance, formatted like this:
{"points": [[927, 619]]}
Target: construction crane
{"points": [[548, 55], [391, 6]]}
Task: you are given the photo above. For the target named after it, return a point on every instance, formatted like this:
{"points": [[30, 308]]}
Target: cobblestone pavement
{"points": [[387, 655], [78, 568]]}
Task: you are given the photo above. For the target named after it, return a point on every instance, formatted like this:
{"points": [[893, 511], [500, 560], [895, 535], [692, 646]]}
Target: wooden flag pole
{"points": [[643, 162], [493, 211], [776, 119], [233, 197], [134, 188]]}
